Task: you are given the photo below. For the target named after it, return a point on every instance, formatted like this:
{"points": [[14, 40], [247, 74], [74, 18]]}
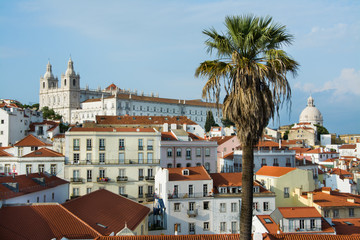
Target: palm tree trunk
{"points": [[247, 191]]}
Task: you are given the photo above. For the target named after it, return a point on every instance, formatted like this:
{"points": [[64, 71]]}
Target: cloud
{"points": [[347, 83]]}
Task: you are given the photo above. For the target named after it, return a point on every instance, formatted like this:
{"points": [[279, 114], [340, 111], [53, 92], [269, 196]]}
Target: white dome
{"points": [[70, 69], [48, 73], [311, 113]]}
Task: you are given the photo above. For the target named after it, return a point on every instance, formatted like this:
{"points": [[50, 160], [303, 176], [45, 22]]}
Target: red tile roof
{"points": [[291, 236], [271, 227], [109, 209], [143, 120], [59, 135], [299, 150], [111, 87], [343, 227], [44, 152], [31, 141], [348, 146], [229, 156], [27, 184], [334, 199], [299, 212], [319, 151], [5, 154], [42, 222], [195, 137], [110, 129], [221, 140], [195, 173], [274, 171], [45, 122], [168, 136]]}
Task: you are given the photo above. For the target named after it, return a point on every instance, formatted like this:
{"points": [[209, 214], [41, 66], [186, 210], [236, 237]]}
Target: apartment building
{"points": [[121, 160]]}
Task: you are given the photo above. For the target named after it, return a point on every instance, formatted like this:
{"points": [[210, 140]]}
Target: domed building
{"points": [[311, 114]]}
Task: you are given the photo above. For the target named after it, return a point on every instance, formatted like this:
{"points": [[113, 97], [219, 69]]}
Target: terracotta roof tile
{"points": [[27, 184], [111, 87], [343, 227], [222, 139], [319, 151], [60, 135], [31, 141], [44, 152], [5, 154], [195, 137], [168, 136], [45, 222], [110, 129], [45, 122], [334, 199], [143, 120], [274, 171], [108, 209], [271, 227], [348, 146], [229, 156], [299, 212], [195, 173], [309, 237]]}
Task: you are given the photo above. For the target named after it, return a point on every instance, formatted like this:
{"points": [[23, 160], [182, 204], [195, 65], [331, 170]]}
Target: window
{"points": [[89, 175], [101, 144], [288, 163], [178, 165], [121, 190], [75, 192], [207, 166], [101, 157], [263, 162], [102, 173], [327, 213], [234, 227], [178, 152], [53, 169], [41, 168], [207, 152], [7, 168], [191, 228], [121, 144], [206, 205], [312, 223], [255, 206], [206, 226], [37, 199], [76, 143], [74, 82], [233, 207], [177, 227], [286, 192], [76, 158], [222, 226], [198, 152], [169, 152], [76, 175], [122, 172], [88, 144], [141, 174], [169, 165], [335, 213], [205, 190], [140, 144], [301, 223], [53, 196], [149, 157], [191, 206], [222, 207], [266, 206], [28, 169], [2, 121], [188, 153], [176, 207], [141, 157], [351, 212], [88, 190], [150, 144], [191, 190], [176, 190], [141, 191], [121, 158], [88, 158]]}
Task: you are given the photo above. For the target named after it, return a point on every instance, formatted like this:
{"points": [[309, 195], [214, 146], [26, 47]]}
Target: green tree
{"points": [[227, 123], [252, 68], [49, 113], [210, 121], [320, 130]]}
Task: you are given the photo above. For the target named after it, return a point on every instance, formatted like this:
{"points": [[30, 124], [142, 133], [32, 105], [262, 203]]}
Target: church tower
{"points": [[70, 87], [48, 84]]}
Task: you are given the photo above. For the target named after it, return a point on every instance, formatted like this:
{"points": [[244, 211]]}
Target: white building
{"points": [[15, 122], [267, 153], [198, 203], [33, 188], [121, 160], [338, 179], [318, 155], [45, 129], [182, 149], [77, 105], [31, 155]]}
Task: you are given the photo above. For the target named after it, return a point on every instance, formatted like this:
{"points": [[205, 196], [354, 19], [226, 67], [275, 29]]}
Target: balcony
{"points": [[124, 195], [76, 148], [192, 213], [141, 178], [149, 147], [141, 195], [89, 180], [108, 161], [150, 178], [149, 197], [141, 147], [76, 180], [121, 148], [102, 148], [286, 195], [88, 148], [103, 179], [122, 179], [187, 195]]}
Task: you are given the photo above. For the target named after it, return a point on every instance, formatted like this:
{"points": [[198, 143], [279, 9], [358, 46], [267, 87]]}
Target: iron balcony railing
{"points": [[103, 179], [192, 213], [122, 178], [150, 178], [113, 162], [189, 195], [77, 180]]}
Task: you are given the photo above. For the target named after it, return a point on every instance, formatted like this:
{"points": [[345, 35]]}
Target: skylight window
{"points": [[101, 225], [349, 223], [267, 220]]}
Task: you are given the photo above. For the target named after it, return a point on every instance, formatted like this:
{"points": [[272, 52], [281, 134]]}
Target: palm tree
{"points": [[252, 68]]}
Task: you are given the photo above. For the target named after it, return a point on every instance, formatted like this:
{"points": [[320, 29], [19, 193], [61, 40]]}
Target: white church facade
{"points": [[77, 105]]}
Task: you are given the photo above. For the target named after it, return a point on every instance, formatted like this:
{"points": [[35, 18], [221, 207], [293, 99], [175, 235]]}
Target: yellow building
{"points": [[350, 138], [283, 181]]}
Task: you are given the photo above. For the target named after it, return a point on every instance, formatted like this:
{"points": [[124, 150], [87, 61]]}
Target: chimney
{"points": [[310, 197]]}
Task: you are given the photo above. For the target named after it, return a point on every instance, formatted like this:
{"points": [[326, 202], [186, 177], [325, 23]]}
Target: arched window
{"points": [[64, 82], [43, 84], [188, 165], [74, 82], [178, 165], [169, 152]]}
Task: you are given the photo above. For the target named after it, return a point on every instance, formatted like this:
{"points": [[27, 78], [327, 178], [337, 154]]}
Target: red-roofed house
{"points": [[318, 155], [45, 129], [33, 188], [338, 179], [295, 220], [283, 181]]}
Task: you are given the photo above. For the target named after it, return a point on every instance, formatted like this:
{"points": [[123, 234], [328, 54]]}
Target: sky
{"points": [[155, 46]]}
